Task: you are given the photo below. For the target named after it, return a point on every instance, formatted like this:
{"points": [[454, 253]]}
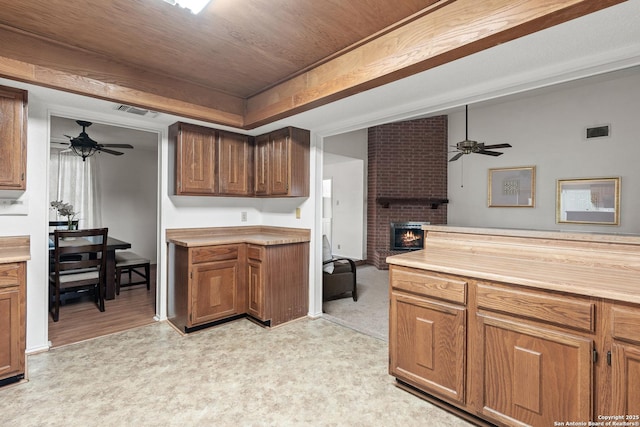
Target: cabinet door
{"points": [[427, 345], [532, 375], [280, 163], [256, 289], [234, 156], [11, 356], [626, 379], [214, 291], [13, 138], [261, 168], [196, 160], [625, 360], [257, 302]]}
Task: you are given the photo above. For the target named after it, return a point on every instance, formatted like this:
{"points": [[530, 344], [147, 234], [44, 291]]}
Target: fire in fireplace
{"points": [[406, 236]]}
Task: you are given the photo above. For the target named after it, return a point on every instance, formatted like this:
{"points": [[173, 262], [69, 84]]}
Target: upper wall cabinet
{"points": [[235, 159], [282, 163], [13, 139], [211, 162], [220, 163]]}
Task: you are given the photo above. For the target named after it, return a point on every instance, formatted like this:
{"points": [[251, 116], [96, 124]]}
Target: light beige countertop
{"points": [[603, 266], [258, 235], [14, 249]]}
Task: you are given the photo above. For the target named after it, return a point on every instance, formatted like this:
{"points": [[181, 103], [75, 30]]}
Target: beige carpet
{"points": [[370, 314]]}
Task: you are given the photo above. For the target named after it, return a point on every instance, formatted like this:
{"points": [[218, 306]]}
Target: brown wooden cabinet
{"points": [[195, 151], [214, 162], [625, 361], [256, 292], [509, 362], [218, 282], [211, 162], [13, 139], [427, 335], [525, 368], [235, 157], [282, 163], [12, 321], [278, 282], [208, 285]]}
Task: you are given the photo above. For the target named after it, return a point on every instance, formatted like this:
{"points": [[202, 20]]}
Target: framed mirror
{"points": [[588, 201]]}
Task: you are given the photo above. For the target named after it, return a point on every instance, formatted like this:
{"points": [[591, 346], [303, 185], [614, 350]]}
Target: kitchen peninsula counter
{"points": [[518, 327], [589, 264]]}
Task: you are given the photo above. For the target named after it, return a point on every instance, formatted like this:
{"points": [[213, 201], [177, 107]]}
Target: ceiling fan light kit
{"points": [[468, 146], [84, 146]]}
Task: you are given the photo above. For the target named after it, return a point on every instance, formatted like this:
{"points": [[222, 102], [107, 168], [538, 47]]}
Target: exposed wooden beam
{"points": [[31, 59], [458, 29], [454, 30]]}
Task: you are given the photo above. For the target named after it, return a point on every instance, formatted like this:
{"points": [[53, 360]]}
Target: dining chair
{"points": [[79, 265]]}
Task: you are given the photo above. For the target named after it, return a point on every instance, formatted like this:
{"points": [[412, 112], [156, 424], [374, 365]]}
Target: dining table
{"points": [[112, 245]]}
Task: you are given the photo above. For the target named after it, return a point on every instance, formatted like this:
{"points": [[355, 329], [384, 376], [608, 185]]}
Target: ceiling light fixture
{"points": [[194, 6]]}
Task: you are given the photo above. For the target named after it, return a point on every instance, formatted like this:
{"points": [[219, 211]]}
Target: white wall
{"points": [[347, 199], [129, 194], [345, 162], [547, 131]]}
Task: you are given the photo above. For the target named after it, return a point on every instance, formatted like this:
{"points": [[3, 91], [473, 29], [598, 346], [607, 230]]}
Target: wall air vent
{"points": [[601, 131], [135, 110]]}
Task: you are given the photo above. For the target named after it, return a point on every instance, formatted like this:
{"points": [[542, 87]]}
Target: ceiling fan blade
{"points": [[106, 150], [498, 146], [116, 145], [490, 153], [456, 157]]}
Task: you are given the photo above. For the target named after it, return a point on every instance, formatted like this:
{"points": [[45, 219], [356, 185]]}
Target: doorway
{"points": [[127, 204]]}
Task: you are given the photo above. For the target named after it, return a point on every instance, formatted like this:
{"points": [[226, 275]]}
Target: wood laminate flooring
{"points": [[81, 320]]}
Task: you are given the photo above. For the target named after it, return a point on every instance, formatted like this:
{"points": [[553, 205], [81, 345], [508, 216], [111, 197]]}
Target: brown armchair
{"points": [[338, 275]]}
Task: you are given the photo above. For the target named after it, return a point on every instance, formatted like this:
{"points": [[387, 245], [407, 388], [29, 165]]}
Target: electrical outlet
{"points": [[338, 246], [243, 216], [297, 213]]}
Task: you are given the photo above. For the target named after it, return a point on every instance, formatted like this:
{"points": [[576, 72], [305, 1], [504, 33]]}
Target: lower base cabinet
{"points": [[217, 283], [428, 345], [513, 356], [532, 375], [12, 321]]}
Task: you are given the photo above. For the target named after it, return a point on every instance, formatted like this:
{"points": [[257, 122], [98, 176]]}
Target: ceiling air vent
{"points": [[135, 110], [598, 131]]}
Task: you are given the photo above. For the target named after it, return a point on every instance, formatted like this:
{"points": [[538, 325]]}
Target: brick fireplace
{"points": [[407, 180]]}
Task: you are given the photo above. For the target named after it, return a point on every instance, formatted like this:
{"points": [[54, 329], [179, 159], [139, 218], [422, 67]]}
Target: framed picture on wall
{"points": [[588, 201], [512, 187]]}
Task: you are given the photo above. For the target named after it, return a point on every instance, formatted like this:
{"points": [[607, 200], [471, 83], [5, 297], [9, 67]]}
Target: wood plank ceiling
{"points": [[245, 63]]}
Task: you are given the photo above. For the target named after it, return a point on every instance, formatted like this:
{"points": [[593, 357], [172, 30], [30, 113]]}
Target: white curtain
{"points": [[77, 184]]}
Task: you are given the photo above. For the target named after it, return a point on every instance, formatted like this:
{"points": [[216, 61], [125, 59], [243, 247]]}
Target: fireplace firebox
{"points": [[406, 236]]}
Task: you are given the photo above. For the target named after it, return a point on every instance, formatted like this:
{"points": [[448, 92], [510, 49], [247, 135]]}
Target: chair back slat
{"points": [[90, 243]]}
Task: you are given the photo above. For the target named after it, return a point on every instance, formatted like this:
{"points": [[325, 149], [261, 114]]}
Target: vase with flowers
{"points": [[66, 210]]}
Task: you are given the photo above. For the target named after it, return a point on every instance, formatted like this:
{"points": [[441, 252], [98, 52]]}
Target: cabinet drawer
{"points": [[214, 253], [431, 284], [255, 252], [563, 311], [626, 323], [9, 275]]}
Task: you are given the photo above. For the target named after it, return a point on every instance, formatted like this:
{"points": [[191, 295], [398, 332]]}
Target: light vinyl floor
{"points": [[305, 373]]}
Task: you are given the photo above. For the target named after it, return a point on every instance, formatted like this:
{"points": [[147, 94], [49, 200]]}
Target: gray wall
{"points": [[547, 131]]}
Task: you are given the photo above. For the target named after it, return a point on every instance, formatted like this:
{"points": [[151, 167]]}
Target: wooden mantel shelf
{"points": [[433, 201]]}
